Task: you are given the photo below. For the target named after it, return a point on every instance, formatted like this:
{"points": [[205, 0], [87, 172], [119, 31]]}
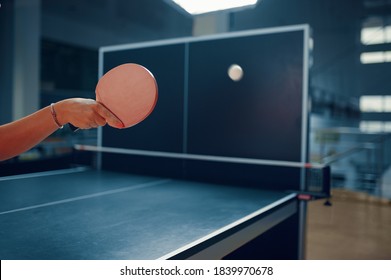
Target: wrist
{"points": [[61, 112]]}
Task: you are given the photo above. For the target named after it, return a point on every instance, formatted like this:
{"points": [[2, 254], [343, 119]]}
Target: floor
{"points": [[356, 226]]}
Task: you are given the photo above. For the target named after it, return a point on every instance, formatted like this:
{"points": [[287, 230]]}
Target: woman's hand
{"points": [[23, 134], [85, 113]]}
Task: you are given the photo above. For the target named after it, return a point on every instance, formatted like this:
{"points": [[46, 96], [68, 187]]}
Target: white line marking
{"points": [[139, 186], [260, 31], [45, 173], [232, 225]]}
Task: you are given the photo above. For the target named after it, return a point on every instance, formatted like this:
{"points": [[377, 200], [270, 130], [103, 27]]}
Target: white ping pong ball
{"points": [[235, 72]]}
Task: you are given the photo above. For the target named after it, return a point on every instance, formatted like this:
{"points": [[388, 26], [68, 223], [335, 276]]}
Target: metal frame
{"points": [[302, 27]]}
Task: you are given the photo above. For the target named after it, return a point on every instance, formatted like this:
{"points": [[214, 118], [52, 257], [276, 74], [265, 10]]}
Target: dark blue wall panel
{"points": [[256, 117]]}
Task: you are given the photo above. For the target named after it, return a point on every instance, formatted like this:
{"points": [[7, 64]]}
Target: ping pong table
{"points": [[91, 214], [220, 164]]}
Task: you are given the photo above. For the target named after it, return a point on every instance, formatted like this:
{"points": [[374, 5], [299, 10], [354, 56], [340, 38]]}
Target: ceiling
{"points": [[95, 23]]}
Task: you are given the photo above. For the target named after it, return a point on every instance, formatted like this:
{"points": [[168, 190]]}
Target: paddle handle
{"points": [[73, 128]]}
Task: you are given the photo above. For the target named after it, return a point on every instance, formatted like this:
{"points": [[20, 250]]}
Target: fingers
{"points": [[109, 117], [86, 114]]}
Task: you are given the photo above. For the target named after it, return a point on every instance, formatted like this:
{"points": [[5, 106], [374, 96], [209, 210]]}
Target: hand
{"points": [[85, 113]]}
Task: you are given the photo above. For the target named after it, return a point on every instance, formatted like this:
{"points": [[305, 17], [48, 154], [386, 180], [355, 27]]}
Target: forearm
{"points": [[21, 135]]}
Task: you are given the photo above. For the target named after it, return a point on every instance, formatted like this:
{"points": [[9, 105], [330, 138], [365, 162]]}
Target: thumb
{"points": [[110, 118]]}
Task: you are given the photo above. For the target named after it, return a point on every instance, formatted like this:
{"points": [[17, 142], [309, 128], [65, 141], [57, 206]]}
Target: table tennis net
{"points": [[310, 179]]}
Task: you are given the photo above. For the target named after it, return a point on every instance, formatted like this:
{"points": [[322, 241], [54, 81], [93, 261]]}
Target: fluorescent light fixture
{"points": [[196, 7]]}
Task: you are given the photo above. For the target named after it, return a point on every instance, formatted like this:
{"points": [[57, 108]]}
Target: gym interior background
{"points": [[49, 51]]}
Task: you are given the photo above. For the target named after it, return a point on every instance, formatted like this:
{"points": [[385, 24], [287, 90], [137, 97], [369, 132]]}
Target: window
{"points": [[376, 31], [375, 126], [375, 57], [376, 35], [375, 103]]}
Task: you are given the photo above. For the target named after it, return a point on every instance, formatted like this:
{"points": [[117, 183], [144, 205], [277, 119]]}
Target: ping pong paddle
{"points": [[129, 91]]}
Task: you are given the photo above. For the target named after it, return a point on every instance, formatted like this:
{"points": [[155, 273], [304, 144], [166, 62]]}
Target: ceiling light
{"points": [[196, 7]]}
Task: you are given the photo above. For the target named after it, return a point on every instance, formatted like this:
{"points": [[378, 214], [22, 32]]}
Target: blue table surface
{"points": [[106, 215]]}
